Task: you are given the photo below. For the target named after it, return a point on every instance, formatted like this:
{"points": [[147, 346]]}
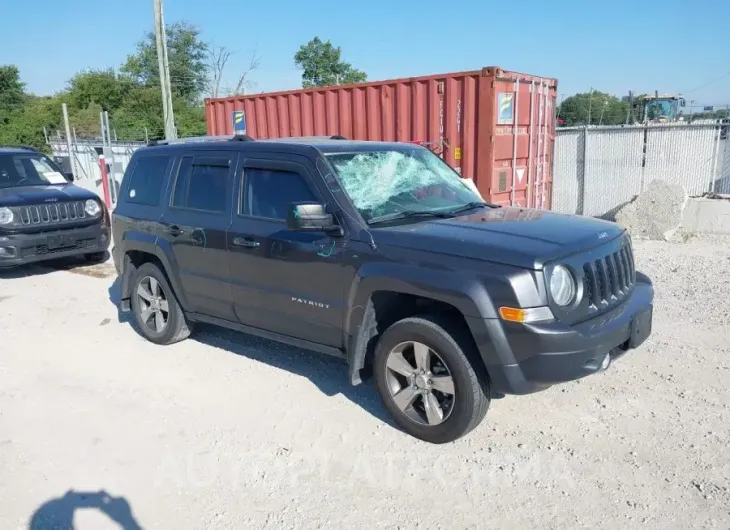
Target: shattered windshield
{"points": [[386, 183]]}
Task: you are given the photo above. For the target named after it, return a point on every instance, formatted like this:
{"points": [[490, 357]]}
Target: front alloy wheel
{"points": [[430, 377], [420, 383]]}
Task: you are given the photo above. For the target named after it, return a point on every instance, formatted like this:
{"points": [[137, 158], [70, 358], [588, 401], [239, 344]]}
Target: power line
{"points": [[723, 76]]}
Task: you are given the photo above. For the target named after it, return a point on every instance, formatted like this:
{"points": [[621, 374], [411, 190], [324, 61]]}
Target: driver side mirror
{"points": [[69, 176], [311, 217]]}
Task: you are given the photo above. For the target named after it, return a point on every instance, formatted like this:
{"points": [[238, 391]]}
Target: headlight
{"points": [[92, 207], [6, 216], [562, 286]]}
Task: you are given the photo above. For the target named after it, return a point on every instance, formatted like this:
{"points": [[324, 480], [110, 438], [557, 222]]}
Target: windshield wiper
{"points": [[408, 214], [472, 206]]}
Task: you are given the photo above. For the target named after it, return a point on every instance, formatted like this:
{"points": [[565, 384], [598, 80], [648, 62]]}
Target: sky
{"points": [[613, 46]]}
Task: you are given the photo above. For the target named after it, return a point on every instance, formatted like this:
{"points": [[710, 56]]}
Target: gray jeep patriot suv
{"points": [[377, 253]]}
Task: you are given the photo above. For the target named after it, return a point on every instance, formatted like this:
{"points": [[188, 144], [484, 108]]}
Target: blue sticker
{"points": [[239, 122], [505, 110]]}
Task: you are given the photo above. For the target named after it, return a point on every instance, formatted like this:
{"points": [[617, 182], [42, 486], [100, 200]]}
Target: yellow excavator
{"points": [[656, 108]]}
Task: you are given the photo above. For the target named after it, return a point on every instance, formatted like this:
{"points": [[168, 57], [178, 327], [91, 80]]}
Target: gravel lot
{"points": [[228, 431]]}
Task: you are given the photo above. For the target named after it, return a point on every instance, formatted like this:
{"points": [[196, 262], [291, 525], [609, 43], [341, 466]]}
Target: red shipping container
{"points": [[493, 126]]}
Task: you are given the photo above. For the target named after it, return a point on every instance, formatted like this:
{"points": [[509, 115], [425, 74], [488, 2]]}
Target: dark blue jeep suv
{"points": [[43, 215]]}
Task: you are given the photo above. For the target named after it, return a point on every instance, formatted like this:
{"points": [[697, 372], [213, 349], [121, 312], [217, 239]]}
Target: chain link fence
{"points": [[597, 170]]}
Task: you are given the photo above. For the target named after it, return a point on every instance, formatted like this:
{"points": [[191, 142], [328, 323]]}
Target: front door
{"points": [[194, 225], [289, 282]]}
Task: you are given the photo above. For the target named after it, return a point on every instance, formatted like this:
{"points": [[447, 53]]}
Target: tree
{"points": [[187, 56], [100, 87], [218, 59], [718, 114], [25, 125], [603, 109], [322, 65], [12, 89]]}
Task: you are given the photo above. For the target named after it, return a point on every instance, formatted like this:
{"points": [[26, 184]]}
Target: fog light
{"points": [[103, 238], [7, 252]]}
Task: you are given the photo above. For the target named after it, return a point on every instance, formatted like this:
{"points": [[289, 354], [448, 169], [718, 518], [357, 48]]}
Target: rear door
{"points": [[194, 225], [289, 282], [141, 199]]}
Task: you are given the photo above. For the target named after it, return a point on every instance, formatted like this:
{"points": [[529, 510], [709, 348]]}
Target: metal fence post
{"points": [[643, 155], [715, 156], [582, 174], [69, 141]]}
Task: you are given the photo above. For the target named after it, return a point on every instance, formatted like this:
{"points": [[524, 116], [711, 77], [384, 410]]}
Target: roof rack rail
{"points": [[202, 139], [337, 137], [26, 147]]}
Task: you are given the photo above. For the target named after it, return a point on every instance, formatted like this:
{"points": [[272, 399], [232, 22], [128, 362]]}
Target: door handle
{"points": [[246, 242], [174, 230]]}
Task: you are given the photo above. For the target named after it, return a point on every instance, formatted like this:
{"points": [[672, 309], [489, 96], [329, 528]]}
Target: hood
{"points": [[512, 236], [27, 195]]}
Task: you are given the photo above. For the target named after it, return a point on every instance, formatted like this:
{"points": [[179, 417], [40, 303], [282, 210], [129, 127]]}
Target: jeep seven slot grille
{"points": [[610, 278], [51, 213]]}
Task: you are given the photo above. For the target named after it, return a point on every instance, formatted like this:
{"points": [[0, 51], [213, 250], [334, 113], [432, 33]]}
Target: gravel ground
{"points": [[228, 431]]}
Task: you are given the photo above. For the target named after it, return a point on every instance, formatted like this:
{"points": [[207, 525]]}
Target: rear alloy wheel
{"points": [[430, 378], [154, 307], [158, 315]]}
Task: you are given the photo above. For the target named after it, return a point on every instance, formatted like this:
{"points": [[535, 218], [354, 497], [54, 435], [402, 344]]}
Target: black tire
{"points": [[97, 257], [455, 347], [176, 328]]}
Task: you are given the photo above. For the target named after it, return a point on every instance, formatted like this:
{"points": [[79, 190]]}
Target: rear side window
{"points": [[147, 180], [269, 193], [202, 183]]}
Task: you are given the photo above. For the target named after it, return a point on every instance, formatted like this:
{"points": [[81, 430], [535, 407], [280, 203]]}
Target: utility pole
{"points": [[630, 110], [164, 66]]}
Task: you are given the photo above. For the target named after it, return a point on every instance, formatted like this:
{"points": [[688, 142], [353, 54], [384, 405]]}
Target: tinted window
{"points": [[202, 183], [269, 193], [147, 179]]}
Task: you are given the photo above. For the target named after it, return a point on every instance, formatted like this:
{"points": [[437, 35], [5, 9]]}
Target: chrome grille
{"points": [[610, 278], [43, 214]]}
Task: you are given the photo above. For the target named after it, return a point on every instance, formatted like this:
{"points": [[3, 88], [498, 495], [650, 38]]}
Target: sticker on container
{"points": [[239, 122], [520, 172], [505, 113], [457, 153], [54, 177]]}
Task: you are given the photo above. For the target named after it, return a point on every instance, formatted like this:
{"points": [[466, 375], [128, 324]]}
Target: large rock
{"points": [[656, 213]]}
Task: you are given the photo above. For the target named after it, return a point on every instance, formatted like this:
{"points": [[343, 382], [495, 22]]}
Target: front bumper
{"points": [[23, 248], [525, 358]]}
